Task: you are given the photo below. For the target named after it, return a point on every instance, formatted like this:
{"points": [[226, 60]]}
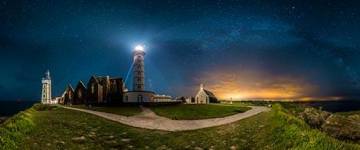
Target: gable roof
{"points": [[80, 84], [70, 87], [210, 94], [95, 78]]}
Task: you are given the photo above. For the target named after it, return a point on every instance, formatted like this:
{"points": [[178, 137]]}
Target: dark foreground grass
{"points": [[191, 112], [120, 110], [349, 113], [66, 129]]}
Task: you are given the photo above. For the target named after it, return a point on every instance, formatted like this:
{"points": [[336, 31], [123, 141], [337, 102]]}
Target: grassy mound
{"points": [[67, 129], [15, 128], [289, 131], [120, 110], [191, 112]]}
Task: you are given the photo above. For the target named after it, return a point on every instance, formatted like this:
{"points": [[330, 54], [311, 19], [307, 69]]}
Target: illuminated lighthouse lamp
{"points": [[139, 48]]}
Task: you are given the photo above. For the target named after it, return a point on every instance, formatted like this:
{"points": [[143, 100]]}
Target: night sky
{"points": [[252, 49]]}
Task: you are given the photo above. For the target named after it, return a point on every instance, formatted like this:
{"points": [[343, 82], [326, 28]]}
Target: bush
{"points": [[337, 126], [341, 127], [315, 118]]}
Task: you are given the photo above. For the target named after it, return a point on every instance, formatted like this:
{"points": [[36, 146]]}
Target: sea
{"points": [[335, 106], [9, 108]]}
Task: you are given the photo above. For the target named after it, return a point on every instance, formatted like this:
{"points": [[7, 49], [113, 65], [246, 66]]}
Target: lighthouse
{"points": [[138, 94], [138, 69], [46, 88]]}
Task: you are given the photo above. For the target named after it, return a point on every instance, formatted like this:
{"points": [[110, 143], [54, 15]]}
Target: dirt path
{"points": [[149, 120]]}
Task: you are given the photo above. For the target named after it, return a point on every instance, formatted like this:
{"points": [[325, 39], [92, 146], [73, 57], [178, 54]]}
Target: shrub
{"points": [[315, 118], [291, 132], [341, 127]]}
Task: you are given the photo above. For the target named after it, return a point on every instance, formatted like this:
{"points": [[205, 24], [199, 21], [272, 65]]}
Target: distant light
{"points": [[139, 48]]}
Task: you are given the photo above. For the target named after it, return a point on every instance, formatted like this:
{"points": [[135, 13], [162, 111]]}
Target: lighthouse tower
{"points": [[138, 69], [138, 94], [46, 89]]}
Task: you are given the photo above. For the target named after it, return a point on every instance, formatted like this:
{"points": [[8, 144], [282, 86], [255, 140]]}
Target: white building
{"points": [[204, 96], [162, 98], [138, 93], [46, 89], [190, 100]]}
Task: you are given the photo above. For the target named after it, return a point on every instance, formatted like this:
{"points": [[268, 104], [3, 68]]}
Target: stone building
{"points": [[105, 90], [80, 93], [204, 96], [68, 95]]}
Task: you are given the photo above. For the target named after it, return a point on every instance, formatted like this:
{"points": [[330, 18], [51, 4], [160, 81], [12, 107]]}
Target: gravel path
{"points": [[149, 120]]}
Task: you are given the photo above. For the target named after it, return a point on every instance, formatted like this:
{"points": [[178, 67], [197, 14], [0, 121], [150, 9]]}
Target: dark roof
{"points": [[70, 88], [81, 84], [95, 78], [210, 94]]}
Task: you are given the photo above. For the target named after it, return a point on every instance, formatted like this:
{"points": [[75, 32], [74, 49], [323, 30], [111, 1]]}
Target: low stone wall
{"points": [[154, 103]]}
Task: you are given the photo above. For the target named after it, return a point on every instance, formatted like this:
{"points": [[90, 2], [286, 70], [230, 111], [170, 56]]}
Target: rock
{"points": [[147, 147], [109, 142], [233, 147], [162, 147], [60, 142], [125, 140], [48, 144], [198, 148], [211, 147], [110, 137], [130, 146], [92, 135], [80, 139]]}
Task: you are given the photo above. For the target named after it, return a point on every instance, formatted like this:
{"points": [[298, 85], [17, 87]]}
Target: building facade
{"points": [[138, 69], [204, 96], [46, 89], [80, 93], [105, 90], [68, 96], [138, 93]]}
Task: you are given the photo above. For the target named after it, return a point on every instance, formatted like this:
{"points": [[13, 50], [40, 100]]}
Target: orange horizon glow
{"points": [[247, 85]]}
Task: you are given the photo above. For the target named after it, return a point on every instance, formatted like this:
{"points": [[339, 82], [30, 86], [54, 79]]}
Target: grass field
{"points": [[191, 112], [60, 128], [120, 110]]}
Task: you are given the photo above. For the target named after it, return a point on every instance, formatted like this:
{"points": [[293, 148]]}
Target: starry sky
{"points": [[256, 49]]}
